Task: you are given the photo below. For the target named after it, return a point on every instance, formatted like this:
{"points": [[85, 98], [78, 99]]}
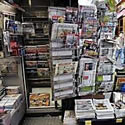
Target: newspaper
{"points": [[83, 107]]}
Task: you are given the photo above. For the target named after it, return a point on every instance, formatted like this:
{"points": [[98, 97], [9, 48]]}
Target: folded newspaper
{"points": [[69, 118], [103, 109], [84, 109]]}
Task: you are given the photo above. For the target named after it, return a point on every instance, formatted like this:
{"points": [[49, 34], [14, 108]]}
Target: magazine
{"points": [[65, 68], [104, 86], [64, 35], [120, 82], [90, 48], [56, 13], [87, 64], [71, 14], [39, 99]]}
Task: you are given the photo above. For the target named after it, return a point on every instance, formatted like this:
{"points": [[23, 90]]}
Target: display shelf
{"points": [[105, 73], [37, 38], [36, 79], [39, 84], [44, 111], [36, 74], [40, 107]]}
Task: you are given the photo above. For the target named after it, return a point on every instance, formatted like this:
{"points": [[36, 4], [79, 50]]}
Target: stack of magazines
{"points": [[69, 118], [103, 109], [84, 109]]}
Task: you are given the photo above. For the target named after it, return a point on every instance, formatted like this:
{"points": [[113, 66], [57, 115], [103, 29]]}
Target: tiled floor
{"points": [[42, 121]]}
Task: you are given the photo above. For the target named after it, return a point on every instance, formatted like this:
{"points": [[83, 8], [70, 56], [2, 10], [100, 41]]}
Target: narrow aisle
{"points": [[42, 121]]}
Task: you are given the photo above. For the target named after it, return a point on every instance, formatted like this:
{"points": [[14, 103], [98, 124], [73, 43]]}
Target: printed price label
{"points": [[88, 122], [119, 120]]}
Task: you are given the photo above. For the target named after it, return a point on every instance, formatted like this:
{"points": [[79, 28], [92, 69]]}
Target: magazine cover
{"points": [[65, 68], [109, 25], [64, 35], [104, 86], [85, 12], [71, 14], [57, 13], [89, 27], [120, 83], [105, 68], [39, 99], [31, 50], [107, 48], [28, 28], [104, 78], [42, 29], [43, 72], [90, 48], [87, 64]]}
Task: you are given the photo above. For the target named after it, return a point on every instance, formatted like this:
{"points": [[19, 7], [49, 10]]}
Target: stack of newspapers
{"points": [[103, 109], [69, 118], [84, 109]]}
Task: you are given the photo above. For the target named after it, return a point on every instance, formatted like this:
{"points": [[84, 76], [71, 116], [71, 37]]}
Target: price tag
{"points": [[88, 122], [119, 120]]}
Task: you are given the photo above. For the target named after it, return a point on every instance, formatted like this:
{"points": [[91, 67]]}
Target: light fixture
{"points": [[30, 2]]}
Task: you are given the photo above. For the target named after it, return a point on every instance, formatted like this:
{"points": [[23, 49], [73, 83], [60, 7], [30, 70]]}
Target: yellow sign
{"points": [[119, 120], [88, 122]]}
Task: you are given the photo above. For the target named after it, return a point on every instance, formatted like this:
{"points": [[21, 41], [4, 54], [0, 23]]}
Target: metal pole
{"points": [[70, 3]]}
